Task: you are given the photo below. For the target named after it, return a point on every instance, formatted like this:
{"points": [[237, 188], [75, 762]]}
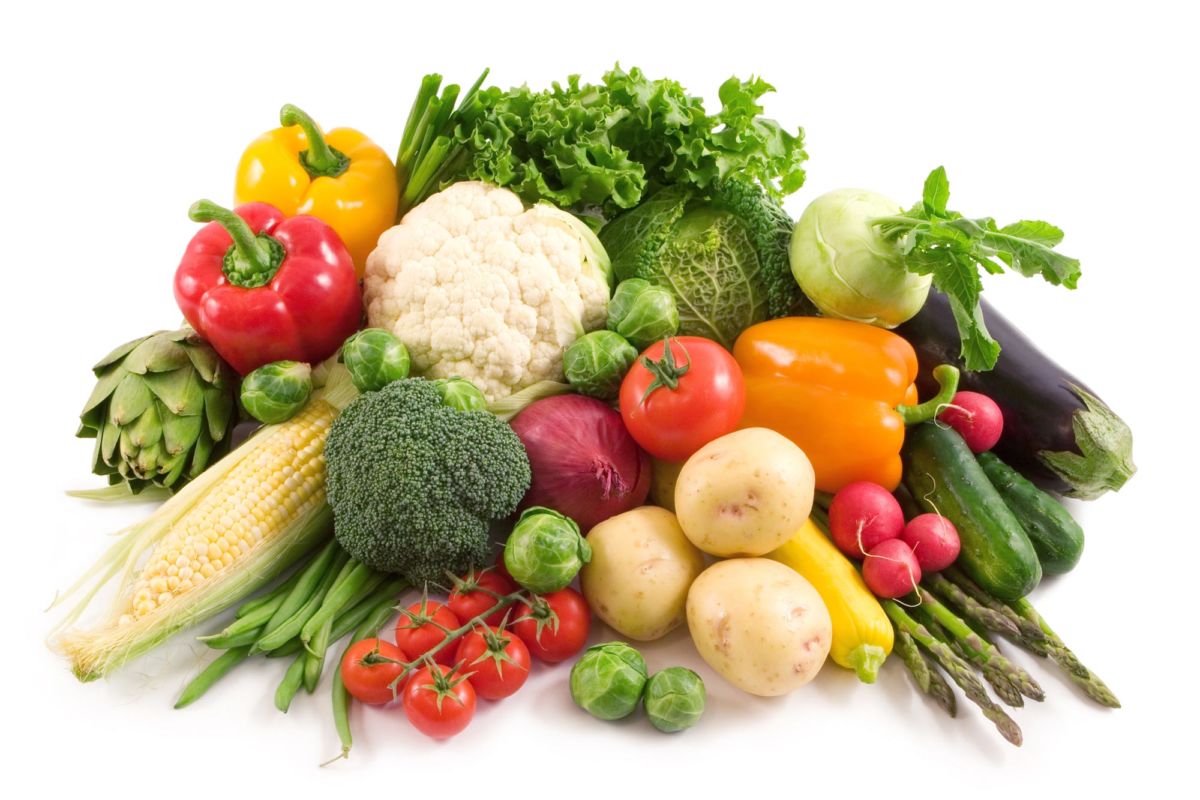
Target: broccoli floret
{"points": [[413, 483]]}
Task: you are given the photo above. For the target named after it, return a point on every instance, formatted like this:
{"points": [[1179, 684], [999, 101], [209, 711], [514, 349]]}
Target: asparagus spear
{"points": [[1092, 686], [958, 670], [1031, 636], [939, 690], [1008, 692], [906, 648], [978, 650], [972, 609]]}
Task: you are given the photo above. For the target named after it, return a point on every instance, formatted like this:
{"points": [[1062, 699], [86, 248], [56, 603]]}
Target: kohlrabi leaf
{"points": [[952, 248]]}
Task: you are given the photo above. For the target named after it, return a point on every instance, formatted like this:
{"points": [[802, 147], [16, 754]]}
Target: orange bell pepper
{"points": [[842, 391]]}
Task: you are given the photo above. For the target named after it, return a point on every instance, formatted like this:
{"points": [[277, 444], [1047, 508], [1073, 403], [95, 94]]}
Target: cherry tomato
{"points": [[438, 703], [467, 602], [369, 668], [417, 631], [495, 661], [690, 394], [555, 627]]}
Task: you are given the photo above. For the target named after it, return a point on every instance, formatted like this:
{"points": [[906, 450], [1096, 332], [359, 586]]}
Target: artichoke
{"points": [[161, 411]]}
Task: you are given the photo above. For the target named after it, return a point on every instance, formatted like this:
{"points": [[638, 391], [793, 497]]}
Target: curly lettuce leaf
{"points": [[597, 148]]}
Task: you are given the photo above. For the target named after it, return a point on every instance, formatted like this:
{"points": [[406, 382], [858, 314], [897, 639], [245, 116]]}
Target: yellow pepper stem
{"points": [[319, 160]]}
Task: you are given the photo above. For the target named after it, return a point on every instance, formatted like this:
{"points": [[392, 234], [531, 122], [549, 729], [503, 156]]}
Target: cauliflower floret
{"points": [[477, 285]]}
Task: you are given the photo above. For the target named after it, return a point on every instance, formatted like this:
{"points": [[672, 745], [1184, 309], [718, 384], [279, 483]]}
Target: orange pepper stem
{"points": [[252, 260], [947, 380], [319, 160]]}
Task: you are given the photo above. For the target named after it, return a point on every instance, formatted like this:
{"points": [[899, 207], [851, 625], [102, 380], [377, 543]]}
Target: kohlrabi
{"points": [[845, 266]]}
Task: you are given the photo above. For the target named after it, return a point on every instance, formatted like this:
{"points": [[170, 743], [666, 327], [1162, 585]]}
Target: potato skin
{"points": [[642, 566], [745, 493], [759, 624]]}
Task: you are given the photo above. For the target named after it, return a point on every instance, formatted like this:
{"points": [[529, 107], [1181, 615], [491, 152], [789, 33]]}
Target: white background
{"points": [[115, 119]]}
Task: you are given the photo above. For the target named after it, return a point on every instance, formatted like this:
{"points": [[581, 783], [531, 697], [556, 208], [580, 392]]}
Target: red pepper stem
{"points": [[253, 259], [947, 380], [319, 160]]}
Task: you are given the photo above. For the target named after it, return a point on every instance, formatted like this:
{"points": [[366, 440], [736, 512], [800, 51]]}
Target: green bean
{"points": [[310, 578], [278, 593], [381, 611], [344, 590], [292, 625], [290, 683], [316, 656], [217, 669], [224, 641]]}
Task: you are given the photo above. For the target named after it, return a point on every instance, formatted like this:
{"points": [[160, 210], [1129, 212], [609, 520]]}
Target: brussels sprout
{"points": [[275, 392], [674, 699], [545, 550], [642, 312], [608, 679], [596, 364], [375, 358], [846, 268], [461, 394]]}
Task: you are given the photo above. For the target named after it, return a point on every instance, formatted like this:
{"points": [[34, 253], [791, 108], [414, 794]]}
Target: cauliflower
{"points": [[478, 286]]}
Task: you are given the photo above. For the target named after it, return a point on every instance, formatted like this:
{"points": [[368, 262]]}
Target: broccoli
{"points": [[413, 483]]}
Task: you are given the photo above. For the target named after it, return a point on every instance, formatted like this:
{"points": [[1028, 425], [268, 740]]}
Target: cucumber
{"points": [[1055, 534], [941, 472]]}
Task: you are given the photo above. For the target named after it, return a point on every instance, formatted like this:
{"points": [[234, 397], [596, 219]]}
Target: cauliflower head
{"points": [[479, 286]]}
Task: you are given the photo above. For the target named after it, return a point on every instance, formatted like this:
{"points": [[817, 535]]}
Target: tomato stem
{"points": [[426, 658], [665, 371]]}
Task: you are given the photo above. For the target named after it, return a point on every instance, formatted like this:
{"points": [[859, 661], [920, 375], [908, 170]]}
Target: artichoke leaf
{"points": [[130, 400], [179, 390], [156, 354], [218, 411], [117, 354], [179, 432], [93, 412]]}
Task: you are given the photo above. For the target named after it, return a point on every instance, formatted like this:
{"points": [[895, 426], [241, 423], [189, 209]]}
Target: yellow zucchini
{"points": [[862, 633]]}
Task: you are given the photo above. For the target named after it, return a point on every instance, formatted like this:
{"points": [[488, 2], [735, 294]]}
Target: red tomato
{"points": [[555, 626], [467, 602], [439, 704], [369, 668], [695, 395], [417, 631], [495, 661]]}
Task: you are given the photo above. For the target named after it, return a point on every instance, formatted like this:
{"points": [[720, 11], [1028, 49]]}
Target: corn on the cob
{"points": [[225, 535]]}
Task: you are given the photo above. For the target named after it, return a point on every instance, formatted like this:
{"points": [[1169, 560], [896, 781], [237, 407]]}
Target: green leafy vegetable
{"points": [[594, 147], [952, 248], [723, 255], [642, 312]]}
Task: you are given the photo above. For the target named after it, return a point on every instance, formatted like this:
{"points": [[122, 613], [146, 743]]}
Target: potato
{"points": [[745, 493], [641, 568], [759, 624]]}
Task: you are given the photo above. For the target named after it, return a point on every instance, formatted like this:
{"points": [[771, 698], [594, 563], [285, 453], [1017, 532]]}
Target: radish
{"points": [[862, 515], [934, 541], [891, 569], [977, 419]]}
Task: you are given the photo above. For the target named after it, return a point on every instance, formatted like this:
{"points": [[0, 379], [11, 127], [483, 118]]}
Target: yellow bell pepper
{"points": [[862, 632], [340, 177]]}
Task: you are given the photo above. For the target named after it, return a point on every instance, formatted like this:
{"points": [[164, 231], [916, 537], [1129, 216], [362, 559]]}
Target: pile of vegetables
{"points": [[570, 338]]}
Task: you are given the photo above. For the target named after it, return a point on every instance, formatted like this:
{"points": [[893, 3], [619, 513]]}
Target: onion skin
{"points": [[584, 462]]}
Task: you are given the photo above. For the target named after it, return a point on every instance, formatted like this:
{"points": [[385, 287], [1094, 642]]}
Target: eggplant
{"points": [[1057, 432]]}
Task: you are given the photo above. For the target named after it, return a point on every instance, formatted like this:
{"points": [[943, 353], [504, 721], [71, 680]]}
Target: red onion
{"points": [[585, 464]]}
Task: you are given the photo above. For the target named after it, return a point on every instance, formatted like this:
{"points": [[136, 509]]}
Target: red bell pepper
{"points": [[263, 287]]}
